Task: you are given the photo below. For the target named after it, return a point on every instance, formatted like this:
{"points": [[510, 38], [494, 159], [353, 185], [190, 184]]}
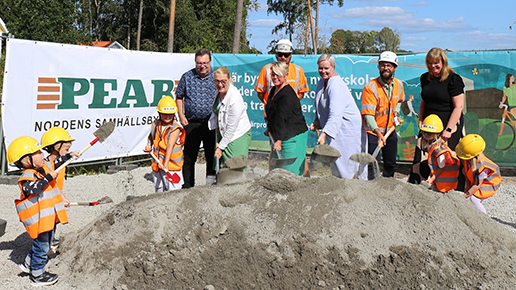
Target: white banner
{"points": [[81, 87]]}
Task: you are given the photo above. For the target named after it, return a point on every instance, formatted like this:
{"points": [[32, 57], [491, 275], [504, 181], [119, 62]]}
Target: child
{"points": [[482, 175], [57, 142], [444, 165], [40, 206], [165, 141]]}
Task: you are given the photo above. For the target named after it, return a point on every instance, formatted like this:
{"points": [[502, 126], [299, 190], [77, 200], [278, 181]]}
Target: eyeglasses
{"points": [[220, 82], [285, 55], [202, 63], [386, 64]]}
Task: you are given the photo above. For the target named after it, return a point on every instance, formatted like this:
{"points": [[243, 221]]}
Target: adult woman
{"points": [[509, 94], [337, 114], [442, 93], [230, 117], [286, 124]]}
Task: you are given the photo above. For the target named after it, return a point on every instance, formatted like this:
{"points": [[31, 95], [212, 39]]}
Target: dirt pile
{"points": [[288, 232]]}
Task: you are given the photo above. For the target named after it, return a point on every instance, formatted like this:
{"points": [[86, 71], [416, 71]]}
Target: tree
{"points": [[347, 41], [238, 24], [295, 12], [45, 20]]}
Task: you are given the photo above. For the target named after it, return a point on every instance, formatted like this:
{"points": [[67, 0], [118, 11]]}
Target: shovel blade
{"points": [[104, 131], [282, 162], [230, 176]]}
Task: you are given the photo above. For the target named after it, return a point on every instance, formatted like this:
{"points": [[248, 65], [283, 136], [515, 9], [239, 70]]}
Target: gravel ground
{"points": [[126, 185]]}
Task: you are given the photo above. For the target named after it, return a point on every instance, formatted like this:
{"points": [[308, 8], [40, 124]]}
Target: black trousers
{"points": [[197, 131], [388, 152]]}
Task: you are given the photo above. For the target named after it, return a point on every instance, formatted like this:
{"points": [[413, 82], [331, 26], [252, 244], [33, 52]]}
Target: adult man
{"points": [[195, 94], [381, 103], [296, 76]]}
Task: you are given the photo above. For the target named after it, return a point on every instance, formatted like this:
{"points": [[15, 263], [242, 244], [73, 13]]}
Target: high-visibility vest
{"points": [[296, 79], [40, 212], [160, 135], [375, 101], [60, 176], [448, 178], [491, 184]]}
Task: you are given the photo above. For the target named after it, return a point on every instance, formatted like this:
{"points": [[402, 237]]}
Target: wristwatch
{"points": [[449, 129]]}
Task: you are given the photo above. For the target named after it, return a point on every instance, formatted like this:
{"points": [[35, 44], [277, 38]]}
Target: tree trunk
{"points": [[171, 26], [138, 36], [238, 27], [312, 26], [316, 26]]}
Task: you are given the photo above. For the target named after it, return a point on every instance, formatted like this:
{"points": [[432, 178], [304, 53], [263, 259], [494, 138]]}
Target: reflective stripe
{"points": [[491, 183], [296, 88], [448, 178], [160, 140], [40, 212]]}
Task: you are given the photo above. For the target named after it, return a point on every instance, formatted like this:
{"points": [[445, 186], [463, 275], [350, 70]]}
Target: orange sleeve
{"points": [[261, 82]]}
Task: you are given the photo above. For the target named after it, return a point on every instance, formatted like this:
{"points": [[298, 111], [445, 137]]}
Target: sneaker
{"points": [[44, 279], [25, 267], [55, 245], [211, 180]]}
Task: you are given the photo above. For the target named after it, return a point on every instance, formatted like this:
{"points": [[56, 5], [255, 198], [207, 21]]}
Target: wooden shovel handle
{"points": [[173, 178]]}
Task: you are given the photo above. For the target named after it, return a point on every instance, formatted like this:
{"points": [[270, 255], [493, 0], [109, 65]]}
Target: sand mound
{"points": [[288, 232]]}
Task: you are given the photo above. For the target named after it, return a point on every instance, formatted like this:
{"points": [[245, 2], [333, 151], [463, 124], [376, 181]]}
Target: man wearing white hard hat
{"points": [[296, 76], [381, 103]]}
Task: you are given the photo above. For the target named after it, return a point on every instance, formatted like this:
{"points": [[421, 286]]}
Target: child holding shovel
{"points": [[40, 206], [444, 165], [57, 142], [165, 142], [482, 175]]}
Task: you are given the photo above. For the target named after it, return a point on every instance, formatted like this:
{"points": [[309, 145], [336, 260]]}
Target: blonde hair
{"points": [[280, 68], [327, 57], [439, 55], [223, 71]]}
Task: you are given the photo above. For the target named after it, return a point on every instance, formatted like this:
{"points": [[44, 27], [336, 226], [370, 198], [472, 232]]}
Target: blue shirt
{"points": [[197, 93]]}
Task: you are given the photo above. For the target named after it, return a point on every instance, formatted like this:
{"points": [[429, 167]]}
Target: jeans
{"points": [[38, 256]]}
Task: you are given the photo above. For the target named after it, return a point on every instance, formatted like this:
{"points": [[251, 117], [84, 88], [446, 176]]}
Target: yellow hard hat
{"points": [[54, 135], [20, 147], [470, 146], [167, 105], [432, 124]]}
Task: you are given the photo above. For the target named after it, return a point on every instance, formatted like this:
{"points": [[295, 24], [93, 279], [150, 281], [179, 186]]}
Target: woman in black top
{"points": [[285, 121], [442, 93]]}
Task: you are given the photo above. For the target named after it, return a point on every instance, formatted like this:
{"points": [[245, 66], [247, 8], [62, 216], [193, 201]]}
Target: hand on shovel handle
{"points": [[377, 149], [319, 139], [100, 135], [172, 178]]}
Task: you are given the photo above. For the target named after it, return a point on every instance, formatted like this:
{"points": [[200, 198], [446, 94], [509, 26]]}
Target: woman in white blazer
{"points": [[230, 118]]}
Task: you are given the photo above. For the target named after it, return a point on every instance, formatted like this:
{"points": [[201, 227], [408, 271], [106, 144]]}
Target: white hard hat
{"points": [[388, 56], [284, 45]]}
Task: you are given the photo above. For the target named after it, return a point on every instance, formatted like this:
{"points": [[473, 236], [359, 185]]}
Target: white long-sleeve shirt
{"points": [[232, 119]]}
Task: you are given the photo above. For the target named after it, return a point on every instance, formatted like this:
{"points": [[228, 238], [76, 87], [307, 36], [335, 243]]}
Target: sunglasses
{"points": [[285, 55]]}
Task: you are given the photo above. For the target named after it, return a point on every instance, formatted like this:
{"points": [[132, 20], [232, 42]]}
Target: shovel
{"points": [[366, 158], [324, 153], [172, 178], [105, 199], [279, 161], [101, 135]]}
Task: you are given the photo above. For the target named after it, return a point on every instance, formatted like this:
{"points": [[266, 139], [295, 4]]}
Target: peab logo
{"points": [[62, 93]]}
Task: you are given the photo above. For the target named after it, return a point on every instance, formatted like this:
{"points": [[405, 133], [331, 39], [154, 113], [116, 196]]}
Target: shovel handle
{"points": [[75, 157], [377, 149], [84, 203], [173, 178], [273, 142]]}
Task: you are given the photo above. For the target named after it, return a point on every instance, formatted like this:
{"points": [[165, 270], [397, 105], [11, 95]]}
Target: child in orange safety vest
{"points": [[482, 175], [165, 142], [444, 165], [40, 206], [57, 142]]}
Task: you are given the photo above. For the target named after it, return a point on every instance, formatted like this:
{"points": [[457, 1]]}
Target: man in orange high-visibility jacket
{"points": [[296, 76], [381, 103]]}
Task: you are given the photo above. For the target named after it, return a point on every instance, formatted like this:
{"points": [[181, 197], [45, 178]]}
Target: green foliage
{"points": [[347, 41], [294, 12], [44, 20], [198, 23]]}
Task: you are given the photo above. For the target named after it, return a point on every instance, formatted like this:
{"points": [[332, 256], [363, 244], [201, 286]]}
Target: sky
{"points": [[449, 24]]}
